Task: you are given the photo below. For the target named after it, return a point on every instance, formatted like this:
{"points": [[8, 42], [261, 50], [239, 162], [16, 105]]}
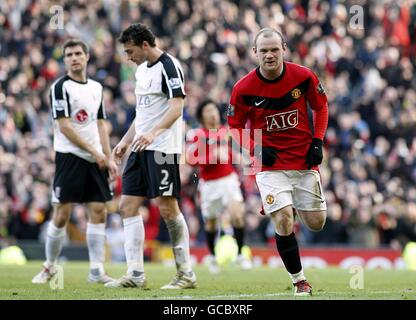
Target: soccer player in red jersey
{"points": [[274, 98], [219, 186]]}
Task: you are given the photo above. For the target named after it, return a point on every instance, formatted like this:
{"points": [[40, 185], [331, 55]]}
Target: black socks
{"points": [[289, 252]]}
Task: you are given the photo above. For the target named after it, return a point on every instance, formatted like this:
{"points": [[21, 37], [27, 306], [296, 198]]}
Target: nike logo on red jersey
{"points": [[285, 101]]}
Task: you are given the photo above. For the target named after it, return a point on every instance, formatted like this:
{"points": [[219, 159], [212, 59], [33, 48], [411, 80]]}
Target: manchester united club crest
{"points": [[296, 93], [269, 199], [81, 116]]}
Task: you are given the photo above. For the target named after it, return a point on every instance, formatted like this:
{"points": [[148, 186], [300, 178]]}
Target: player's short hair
{"points": [[201, 107], [268, 32], [76, 42], [138, 33]]}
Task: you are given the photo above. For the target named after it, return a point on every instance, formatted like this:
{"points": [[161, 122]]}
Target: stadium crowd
{"points": [[368, 72]]}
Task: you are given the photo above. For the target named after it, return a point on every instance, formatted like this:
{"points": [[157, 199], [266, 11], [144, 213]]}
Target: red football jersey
{"points": [[280, 109], [205, 152]]}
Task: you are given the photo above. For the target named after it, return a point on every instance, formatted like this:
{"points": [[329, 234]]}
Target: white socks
{"points": [[179, 236], [134, 243], [96, 243], [297, 276], [54, 240]]}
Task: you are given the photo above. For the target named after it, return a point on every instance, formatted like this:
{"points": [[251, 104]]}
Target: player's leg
{"points": [[236, 210], [54, 241], [162, 174], [134, 236], [314, 220], [310, 201], [211, 208], [211, 232], [71, 172], [276, 188], [134, 191], [97, 214], [287, 244], [96, 194], [179, 235]]}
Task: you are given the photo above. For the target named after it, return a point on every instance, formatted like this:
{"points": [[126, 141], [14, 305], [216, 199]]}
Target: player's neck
{"points": [[272, 75], [154, 55], [80, 77]]}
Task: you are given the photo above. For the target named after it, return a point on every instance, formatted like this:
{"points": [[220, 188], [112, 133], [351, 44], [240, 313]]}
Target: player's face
{"points": [[210, 116], [269, 52], [135, 53], [75, 59]]}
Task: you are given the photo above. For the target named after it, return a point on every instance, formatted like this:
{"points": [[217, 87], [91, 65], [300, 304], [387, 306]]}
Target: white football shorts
{"points": [[300, 188], [216, 194]]}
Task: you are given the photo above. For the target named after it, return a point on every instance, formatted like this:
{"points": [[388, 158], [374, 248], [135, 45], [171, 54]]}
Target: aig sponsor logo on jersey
{"points": [[282, 121], [174, 83]]}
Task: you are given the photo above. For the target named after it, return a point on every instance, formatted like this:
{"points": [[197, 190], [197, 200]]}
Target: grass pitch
{"points": [[262, 283]]}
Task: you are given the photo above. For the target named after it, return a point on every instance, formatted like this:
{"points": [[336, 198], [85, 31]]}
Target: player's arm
{"points": [[67, 129], [121, 148], [103, 131], [319, 103], [238, 114], [103, 128], [174, 112]]}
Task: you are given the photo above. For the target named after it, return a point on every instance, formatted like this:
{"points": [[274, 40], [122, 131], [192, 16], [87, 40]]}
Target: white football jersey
{"points": [[83, 104], [155, 84]]}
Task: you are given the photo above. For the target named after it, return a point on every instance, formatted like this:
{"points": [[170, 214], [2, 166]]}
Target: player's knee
{"points": [[168, 207], [61, 215], [237, 221], [166, 211], [318, 223], [127, 209], [284, 226], [210, 225], [99, 214]]}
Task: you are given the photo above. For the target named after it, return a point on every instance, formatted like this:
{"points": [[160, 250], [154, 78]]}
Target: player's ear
{"points": [[255, 50]]}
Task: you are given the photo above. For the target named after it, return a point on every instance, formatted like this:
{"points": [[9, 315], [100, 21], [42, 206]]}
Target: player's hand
{"points": [[314, 156], [100, 159], [119, 151], [267, 155], [112, 169], [142, 141]]}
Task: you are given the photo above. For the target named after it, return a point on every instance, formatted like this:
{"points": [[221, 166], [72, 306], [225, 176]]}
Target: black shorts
{"points": [[146, 176], [79, 181]]}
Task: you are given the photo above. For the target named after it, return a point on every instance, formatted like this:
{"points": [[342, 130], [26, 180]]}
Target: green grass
{"points": [[231, 284]]}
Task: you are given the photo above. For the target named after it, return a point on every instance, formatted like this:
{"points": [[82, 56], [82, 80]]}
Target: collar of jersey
{"points": [[271, 80], [149, 65], [77, 80]]}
